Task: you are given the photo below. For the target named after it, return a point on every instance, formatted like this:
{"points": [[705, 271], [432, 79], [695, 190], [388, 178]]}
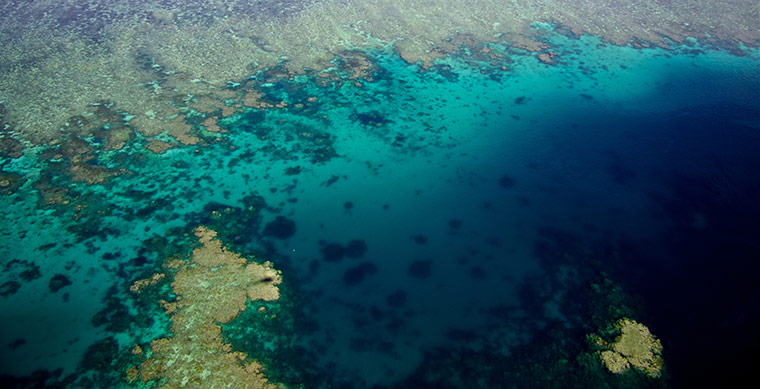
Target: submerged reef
{"points": [[573, 298], [211, 289]]}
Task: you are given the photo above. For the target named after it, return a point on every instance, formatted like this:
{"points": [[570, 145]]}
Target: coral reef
{"points": [[635, 348], [211, 289]]}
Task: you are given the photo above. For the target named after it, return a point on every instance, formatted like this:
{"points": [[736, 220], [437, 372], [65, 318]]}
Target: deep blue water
{"points": [[455, 220]]}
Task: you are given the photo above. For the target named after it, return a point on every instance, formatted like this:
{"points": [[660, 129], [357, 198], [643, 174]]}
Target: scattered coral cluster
{"points": [[211, 289], [635, 347]]}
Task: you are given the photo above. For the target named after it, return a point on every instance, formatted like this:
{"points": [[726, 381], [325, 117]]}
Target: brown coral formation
{"points": [[210, 124], [159, 146], [118, 136], [10, 182], [74, 157], [211, 289], [252, 99], [359, 65], [9, 147], [548, 58], [635, 348], [155, 124], [181, 131], [139, 285]]}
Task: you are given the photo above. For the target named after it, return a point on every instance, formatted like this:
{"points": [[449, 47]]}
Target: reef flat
{"points": [[145, 58], [378, 193]]}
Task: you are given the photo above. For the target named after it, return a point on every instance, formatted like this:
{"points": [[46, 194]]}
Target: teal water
{"points": [[456, 179]]}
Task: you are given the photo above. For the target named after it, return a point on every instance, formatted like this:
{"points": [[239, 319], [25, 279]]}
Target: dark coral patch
{"points": [[58, 281], [477, 272], [111, 256], [421, 269], [458, 335], [115, 316], [370, 119], [332, 252], [396, 299], [9, 288], [507, 182], [420, 239], [356, 274], [355, 248], [16, 343], [30, 271], [100, 355], [280, 228], [293, 170], [30, 274]]}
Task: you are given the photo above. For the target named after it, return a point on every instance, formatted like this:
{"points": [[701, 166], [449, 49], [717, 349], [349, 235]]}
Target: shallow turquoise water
{"points": [[450, 176]]}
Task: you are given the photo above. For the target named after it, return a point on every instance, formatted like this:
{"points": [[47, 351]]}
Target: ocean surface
{"points": [[463, 225]]}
